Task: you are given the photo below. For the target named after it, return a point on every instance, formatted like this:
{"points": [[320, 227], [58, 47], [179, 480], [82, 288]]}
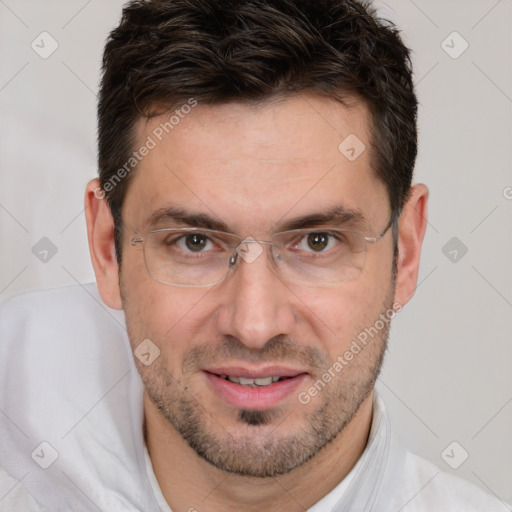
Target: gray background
{"points": [[447, 376]]}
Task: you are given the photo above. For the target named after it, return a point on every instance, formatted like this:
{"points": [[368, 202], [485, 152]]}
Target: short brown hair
{"points": [[165, 52]]}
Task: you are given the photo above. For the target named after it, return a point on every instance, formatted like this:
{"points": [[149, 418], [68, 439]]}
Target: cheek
{"points": [[153, 308], [170, 317], [337, 315], [337, 304]]}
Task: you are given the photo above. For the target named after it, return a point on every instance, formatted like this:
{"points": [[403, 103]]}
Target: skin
{"points": [[251, 166]]}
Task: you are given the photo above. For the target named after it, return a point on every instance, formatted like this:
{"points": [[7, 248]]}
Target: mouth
{"points": [[253, 383], [254, 389]]}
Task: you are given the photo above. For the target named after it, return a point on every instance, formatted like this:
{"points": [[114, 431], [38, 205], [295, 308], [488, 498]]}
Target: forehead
{"points": [[252, 165]]}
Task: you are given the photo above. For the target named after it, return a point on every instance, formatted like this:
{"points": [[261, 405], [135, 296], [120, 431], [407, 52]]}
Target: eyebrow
{"points": [[175, 216], [335, 216], [182, 217]]}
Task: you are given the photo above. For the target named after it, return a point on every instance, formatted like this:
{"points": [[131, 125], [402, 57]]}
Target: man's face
{"points": [[256, 169]]}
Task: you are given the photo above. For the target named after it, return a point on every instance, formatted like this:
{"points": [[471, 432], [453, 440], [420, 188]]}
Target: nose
{"points": [[255, 305]]}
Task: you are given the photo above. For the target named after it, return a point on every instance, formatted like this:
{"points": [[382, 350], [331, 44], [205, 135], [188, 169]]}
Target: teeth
{"points": [[263, 381], [260, 381]]}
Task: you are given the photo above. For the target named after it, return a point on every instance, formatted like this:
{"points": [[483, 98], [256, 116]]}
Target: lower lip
{"points": [[257, 398]]}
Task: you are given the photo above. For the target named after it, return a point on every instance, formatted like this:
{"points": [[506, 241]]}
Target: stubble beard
{"points": [[257, 450]]}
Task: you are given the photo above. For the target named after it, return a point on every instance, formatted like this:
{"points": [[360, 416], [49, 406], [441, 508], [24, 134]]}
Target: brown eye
{"points": [[196, 242], [318, 241]]}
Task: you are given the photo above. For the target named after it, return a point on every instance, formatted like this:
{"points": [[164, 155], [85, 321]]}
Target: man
{"points": [[254, 220]]}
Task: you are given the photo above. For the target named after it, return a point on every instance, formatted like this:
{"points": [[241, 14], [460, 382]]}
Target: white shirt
{"points": [[71, 419]]}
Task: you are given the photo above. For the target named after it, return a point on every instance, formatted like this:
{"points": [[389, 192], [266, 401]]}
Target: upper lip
{"points": [[254, 373]]}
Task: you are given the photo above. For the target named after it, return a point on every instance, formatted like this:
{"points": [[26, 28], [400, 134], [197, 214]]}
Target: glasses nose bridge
{"points": [[248, 255]]}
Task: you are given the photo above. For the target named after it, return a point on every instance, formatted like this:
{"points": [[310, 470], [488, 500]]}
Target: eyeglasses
{"points": [[195, 257]]}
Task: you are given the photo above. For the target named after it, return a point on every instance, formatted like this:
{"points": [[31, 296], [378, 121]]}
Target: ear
{"points": [[412, 226], [100, 232]]}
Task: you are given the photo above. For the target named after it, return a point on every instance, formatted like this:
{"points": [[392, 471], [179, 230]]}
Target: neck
{"points": [[189, 483]]}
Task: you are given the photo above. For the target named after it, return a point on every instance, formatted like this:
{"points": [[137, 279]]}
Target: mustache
{"points": [[276, 349]]}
